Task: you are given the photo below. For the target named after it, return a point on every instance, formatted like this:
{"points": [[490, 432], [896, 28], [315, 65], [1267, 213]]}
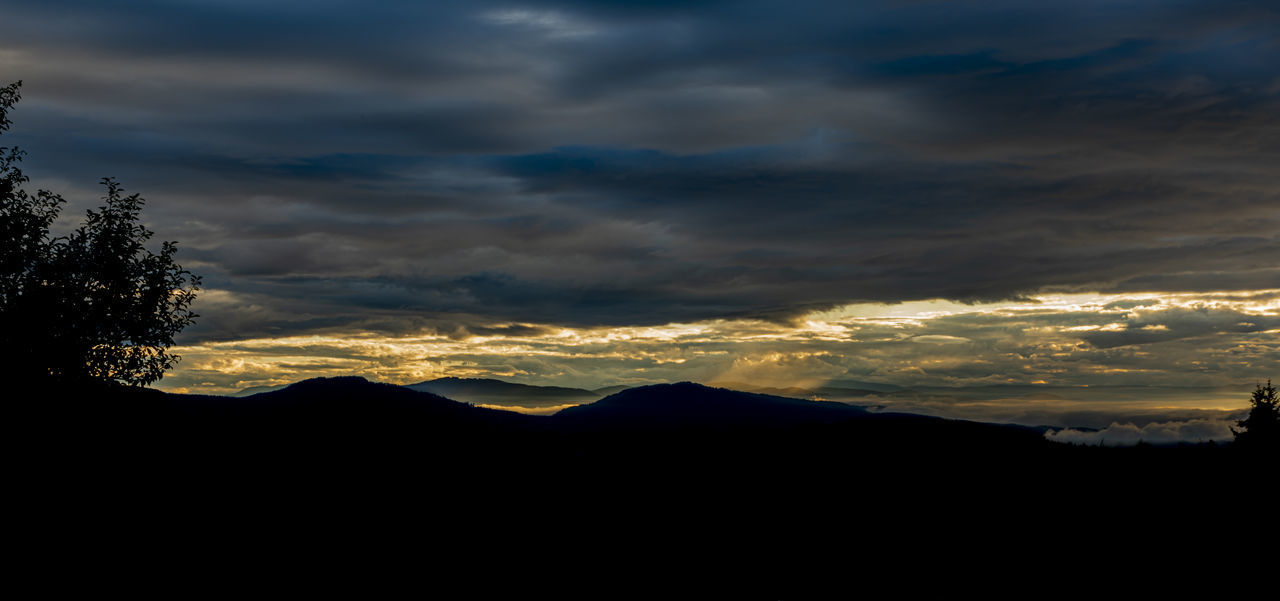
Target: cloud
{"points": [[337, 167], [1166, 324], [1117, 434], [1010, 355], [939, 339]]}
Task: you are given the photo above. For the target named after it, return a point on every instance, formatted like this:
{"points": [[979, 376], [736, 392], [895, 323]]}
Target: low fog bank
{"points": [[1108, 416]]}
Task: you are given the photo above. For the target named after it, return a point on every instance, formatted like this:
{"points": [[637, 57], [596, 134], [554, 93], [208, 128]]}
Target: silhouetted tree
{"points": [[24, 219], [1262, 426], [94, 306]]}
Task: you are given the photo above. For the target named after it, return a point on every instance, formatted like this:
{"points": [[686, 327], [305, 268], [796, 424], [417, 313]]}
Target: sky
{"points": [[1072, 194]]}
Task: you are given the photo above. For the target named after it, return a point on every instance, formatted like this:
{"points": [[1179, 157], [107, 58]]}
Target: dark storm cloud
{"points": [[334, 163]]}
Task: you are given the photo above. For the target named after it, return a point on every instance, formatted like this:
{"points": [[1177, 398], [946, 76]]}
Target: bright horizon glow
{"points": [[931, 343]]}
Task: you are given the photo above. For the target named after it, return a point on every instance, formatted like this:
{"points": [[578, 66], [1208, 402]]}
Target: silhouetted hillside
{"points": [[352, 407], [690, 405], [673, 457], [694, 418], [347, 416], [677, 429], [351, 396]]}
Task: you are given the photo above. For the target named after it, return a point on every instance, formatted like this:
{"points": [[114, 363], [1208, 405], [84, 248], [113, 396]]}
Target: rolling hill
{"points": [[690, 405]]}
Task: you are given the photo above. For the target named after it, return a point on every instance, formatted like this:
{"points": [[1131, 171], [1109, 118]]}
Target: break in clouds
{"points": [[1030, 363], [451, 171]]}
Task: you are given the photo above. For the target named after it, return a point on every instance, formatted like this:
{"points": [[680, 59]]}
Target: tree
{"points": [[1262, 426], [24, 219], [95, 306]]}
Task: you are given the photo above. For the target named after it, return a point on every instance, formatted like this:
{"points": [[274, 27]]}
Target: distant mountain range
{"points": [[680, 407], [1081, 408], [665, 439], [661, 406], [492, 393], [668, 453], [343, 404], [463, 402], [688, 405], [499, 393]]}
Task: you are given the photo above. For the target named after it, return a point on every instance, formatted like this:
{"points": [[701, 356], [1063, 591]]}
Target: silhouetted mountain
{"points": [[349, 401], [697, 420], [486, 391], [690, 405], [339, 435], [323, 414]]}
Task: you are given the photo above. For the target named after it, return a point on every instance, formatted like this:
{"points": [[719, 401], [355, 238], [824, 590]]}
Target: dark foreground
{"points": [[659, 476]]}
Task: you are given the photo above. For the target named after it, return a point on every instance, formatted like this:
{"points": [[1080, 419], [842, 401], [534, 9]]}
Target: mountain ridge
{"points": [[689, 404]]}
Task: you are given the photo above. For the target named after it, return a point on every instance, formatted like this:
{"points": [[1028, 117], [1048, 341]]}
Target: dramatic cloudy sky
{"points": [[591, 193]]}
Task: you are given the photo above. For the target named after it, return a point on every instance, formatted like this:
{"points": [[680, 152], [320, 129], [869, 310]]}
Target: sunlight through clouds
{"points": [[1053, 209], [1069, 340]]}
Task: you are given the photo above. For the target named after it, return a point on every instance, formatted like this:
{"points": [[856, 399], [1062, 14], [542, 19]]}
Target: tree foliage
{"points": [[96, 305], [1262, 426]]}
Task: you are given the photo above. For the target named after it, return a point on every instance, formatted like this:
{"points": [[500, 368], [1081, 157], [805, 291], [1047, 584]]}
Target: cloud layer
{"points": [[1046, 341], [569, 163], [590, 193]]}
